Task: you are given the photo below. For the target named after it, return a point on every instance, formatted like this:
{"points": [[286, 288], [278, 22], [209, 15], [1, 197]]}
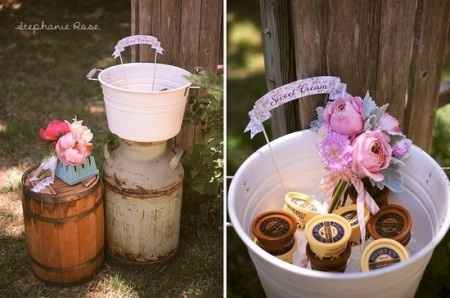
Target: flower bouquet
{"points": [[71, 143], [359, 142]]}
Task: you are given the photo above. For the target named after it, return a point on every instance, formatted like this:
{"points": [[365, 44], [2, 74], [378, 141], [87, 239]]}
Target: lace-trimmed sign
{"points": [[281, 95], [137, 39]]}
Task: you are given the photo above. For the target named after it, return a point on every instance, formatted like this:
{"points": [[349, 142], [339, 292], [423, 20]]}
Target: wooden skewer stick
{"points": [[89, 182]]}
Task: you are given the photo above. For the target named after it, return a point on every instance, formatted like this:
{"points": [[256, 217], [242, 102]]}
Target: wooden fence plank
{"points": [[395, 49], [352, 43], [278, 60], [395, 53], [209, 49], [310, 25], [189, 31], [431, 30], [134, 27]]}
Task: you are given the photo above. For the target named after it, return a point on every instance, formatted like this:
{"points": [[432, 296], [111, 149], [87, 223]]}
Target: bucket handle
{"points": [[135, 40], [93, 74], [197, 70]]}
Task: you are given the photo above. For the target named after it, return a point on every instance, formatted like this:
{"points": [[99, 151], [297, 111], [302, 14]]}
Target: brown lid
{"points": [[392, 221], [62, 192], [273, 229]]}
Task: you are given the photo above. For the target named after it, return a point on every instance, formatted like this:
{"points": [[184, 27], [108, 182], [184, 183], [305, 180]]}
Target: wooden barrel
{"points": [[64, 231]]}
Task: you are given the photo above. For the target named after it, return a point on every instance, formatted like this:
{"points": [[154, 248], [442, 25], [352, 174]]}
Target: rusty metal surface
{"points": [[143, 199], [140, 192], [139, 260]]}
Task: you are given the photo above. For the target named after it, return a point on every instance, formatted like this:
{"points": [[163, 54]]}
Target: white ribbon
{"points": [[46, 165], [363, 198], [298, 89], [137, 39]]}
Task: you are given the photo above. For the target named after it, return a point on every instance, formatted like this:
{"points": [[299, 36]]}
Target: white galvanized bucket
{"points": [[256, 188], [144, 102]]}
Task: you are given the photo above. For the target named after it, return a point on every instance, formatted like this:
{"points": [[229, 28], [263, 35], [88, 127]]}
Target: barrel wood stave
{"points": [[64, 232]]}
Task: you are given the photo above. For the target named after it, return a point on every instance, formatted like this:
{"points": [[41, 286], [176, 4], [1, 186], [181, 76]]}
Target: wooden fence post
{"points": [[190, 31], [394, 49], [278, 59]]}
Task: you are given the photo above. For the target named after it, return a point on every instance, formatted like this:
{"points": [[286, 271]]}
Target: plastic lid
{"points": [[350, 214], [382, 253], [328, 234], [273, 229], [301, 202], [392, 221]]}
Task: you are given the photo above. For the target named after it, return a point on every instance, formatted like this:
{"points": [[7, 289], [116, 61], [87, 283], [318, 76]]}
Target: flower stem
{"points": [[339, 189]]}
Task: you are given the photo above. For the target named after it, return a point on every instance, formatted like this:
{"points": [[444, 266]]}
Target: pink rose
{"points": [[54, 130], [65, 142], [345, 115], [371, 154], [389, 123], [70, 151]]}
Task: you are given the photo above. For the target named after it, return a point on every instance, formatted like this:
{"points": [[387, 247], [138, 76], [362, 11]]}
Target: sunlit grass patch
{"points": [[10, 179], [115, 285]]}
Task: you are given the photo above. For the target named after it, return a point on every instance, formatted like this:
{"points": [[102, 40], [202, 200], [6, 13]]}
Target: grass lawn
{"points": [[246, 83], [42, 77]]}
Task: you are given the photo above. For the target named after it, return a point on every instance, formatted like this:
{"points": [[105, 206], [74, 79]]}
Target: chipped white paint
{"points": [[143, 196]]}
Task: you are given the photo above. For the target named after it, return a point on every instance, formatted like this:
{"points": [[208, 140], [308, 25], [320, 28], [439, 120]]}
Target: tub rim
{"points": [[111, 86]]}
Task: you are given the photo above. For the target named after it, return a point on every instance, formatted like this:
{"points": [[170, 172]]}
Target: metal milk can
{"points": [[143, 195]]}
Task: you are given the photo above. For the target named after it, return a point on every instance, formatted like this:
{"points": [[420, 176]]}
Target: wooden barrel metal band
{"points": [[89, 262], [78, 216], [62, 198], [142, 193]]}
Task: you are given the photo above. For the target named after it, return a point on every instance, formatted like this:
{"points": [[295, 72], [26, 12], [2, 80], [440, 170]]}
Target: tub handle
{"points": [[93, 74], [189, 88], [176, 159]]}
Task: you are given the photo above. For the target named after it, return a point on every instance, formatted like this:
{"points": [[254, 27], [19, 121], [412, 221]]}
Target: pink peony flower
{"points": [[73, 148], [345, 115], [401, 148], [54, 130], [336, 152], [371, 154], [389, 123]]}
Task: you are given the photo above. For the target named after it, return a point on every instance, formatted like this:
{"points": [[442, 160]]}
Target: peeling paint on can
{"points": [[143, 198]]}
